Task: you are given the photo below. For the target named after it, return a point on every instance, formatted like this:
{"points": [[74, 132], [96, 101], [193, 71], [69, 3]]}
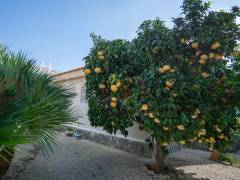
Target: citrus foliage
{"points": [[181, 84]]}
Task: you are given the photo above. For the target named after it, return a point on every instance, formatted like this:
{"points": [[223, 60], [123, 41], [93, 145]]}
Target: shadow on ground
{"points": [[82, 159]]}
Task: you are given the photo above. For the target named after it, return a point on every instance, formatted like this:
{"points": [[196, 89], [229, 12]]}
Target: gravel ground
{"points": [[196, 162], [81, 159]]}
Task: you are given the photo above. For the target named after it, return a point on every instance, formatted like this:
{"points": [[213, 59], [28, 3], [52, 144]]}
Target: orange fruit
{"points": [[151, 115], [174, 94], [194, 115], [114, 99], [98, 70], [119, 83], [211, 55], [156, 120], [184, 41], [197, 111], [202, 132], [101, 58], [180, 127], [169, 83], [144, 107], [113, 104], [88, 71], [221, 136], [100, 53], [166, 128], [212, 140], [217, 128], [205, 75], [202, 61], [219, 57], [164, 144], [161, 70], [114, 88], [182, 142], [215, 45], [204, 56], [166, 68], [194, 45]]}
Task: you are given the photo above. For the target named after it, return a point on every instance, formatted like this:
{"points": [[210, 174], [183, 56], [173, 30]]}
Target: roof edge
{"points": [[69, 71]]}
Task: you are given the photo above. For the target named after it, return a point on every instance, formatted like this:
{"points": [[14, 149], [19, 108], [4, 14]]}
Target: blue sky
{"points": [[57, 31]]}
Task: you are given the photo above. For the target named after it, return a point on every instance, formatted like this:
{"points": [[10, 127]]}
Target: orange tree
{"points": [[109, 69], [180, 84]]}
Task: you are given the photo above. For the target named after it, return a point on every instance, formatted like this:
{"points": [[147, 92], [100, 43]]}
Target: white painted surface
{"points": [[76, 81]]}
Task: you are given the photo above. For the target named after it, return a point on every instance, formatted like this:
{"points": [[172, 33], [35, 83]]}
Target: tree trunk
{"points": [[159, 158]]}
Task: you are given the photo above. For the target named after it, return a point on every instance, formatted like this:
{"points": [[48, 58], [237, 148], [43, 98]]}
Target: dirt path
{"points": [[81, 159]]}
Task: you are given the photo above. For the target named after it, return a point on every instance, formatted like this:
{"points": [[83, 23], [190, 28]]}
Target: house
{"points": [[133, 143]]}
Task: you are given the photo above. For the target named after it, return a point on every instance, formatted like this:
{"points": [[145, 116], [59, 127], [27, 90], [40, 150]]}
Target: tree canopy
{"points": [[181, 84]]}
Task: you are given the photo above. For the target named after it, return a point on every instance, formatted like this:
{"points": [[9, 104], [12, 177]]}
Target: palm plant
{"points": [[32, 106]]}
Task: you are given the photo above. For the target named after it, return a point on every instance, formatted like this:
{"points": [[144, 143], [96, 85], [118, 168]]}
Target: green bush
{"points": [[32, 106]]}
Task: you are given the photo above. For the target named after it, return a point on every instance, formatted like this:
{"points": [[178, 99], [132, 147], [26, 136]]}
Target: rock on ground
{"points": [[81, 159]]}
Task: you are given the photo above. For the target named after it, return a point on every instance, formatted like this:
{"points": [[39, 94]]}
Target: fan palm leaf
{"points": [[32, 106]]}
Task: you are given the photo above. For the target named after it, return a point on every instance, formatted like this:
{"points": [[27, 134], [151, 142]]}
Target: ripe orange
{"points": [[211, 55], [166, 128], [219, 57], [202, 132], [161, 70], [205, 75], [182, 142], [100, 53], [156, 120], [166, 68], [114, 99], [204, 56], [202, 61], [221, 136], [197, 111], [101, 58], [114, 88], [98, 70], [144, 107], [151, 115], [119, 83], [169, 83], [184, 41], [88, 71], [181, 127], [215, 45], [194, 115], [113, 104], [164, 144], [174, 94], [194, 45], [212, 140]]}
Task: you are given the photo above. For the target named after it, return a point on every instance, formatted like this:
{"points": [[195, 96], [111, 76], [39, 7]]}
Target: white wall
{"points": [[134, 133]]}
